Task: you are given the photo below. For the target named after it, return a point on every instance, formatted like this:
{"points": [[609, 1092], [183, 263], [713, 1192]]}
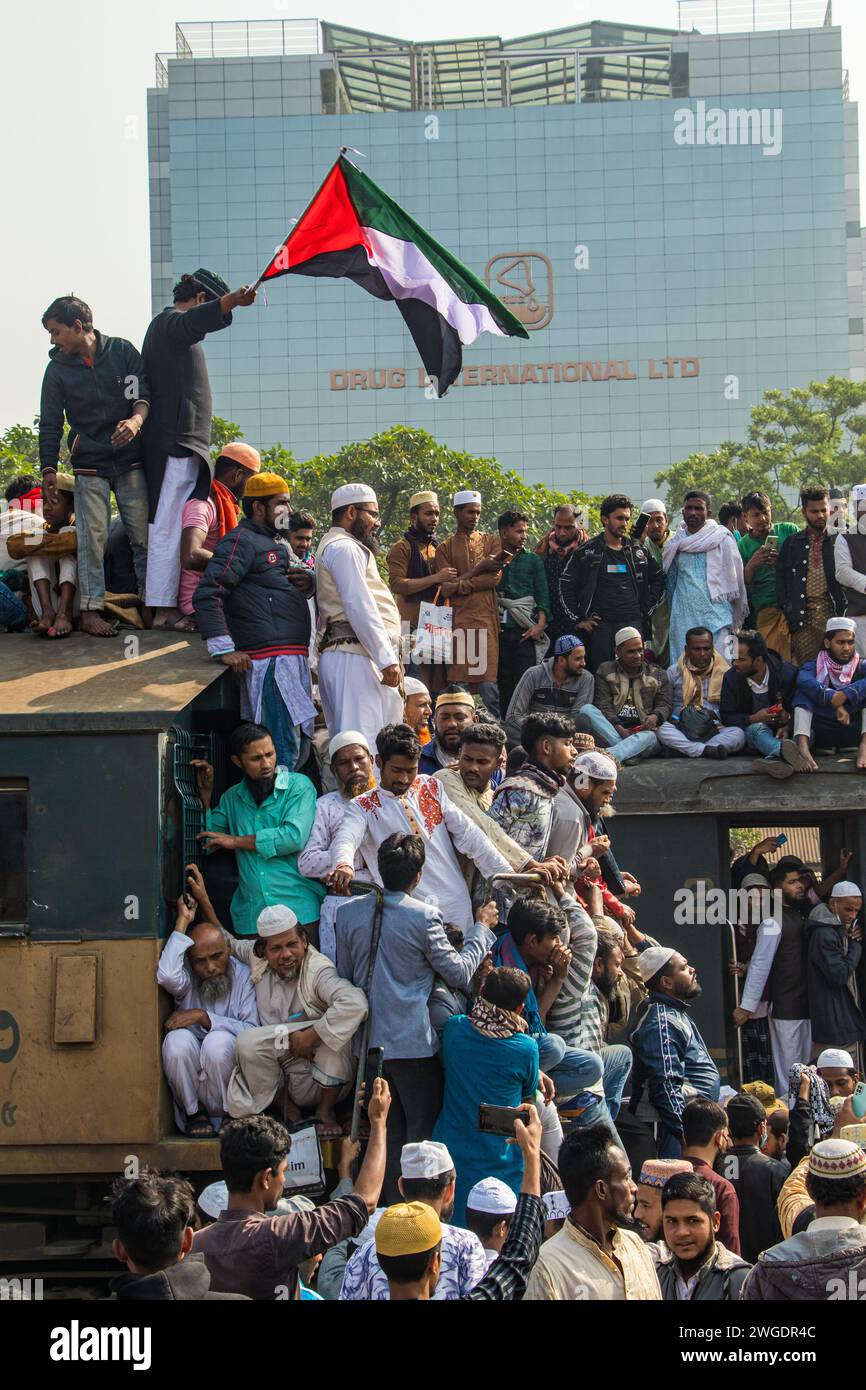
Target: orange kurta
{"points": [[476, 612], [398, 572]]}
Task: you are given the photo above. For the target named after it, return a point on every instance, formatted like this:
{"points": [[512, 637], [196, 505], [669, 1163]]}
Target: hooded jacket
{"points": [[186, 1281], [719, 1280], [832, 964], [814, 1266], [245, 594], [94, 399]]}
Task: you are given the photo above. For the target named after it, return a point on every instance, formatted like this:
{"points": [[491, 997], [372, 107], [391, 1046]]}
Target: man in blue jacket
{"points": [[756, 697], [251, 607], [671, 1060], [834, 942], [830, 696], [98, 386]]}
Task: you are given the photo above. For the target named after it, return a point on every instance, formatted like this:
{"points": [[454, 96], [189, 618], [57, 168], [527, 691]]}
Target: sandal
{"points": [[199, 1127]]}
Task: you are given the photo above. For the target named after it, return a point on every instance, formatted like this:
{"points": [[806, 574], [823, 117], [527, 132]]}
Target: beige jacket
{"points": [[475, 806], [325, 998]]}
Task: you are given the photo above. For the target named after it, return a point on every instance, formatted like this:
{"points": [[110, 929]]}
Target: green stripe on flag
{"points": [[376, 210]]}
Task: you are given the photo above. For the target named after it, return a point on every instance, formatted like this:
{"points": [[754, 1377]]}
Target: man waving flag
{"points": [[352, 229]]}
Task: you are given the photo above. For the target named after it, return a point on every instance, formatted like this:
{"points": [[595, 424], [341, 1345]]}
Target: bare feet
{"points": [[62, 626], [186, 624], [45, 622], [802, 743], [327, 1124], [861, 756], [291, 1111], [165, 618], [95, 625]]}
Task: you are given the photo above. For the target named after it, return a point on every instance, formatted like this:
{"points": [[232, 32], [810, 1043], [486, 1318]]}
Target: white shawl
{"points": [[724, 564]]}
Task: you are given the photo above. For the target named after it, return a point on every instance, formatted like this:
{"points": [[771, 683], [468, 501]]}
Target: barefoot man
{"points": [[830, 696]]}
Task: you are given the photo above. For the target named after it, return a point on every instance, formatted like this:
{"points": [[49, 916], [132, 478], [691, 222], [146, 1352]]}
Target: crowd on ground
{"points": [[428, 908]]}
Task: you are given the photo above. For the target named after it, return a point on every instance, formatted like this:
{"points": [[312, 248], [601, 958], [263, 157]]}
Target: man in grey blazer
{"points": [[413, 950]]}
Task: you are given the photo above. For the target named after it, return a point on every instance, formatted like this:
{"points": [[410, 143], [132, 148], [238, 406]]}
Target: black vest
{"points": [[855, 603]]}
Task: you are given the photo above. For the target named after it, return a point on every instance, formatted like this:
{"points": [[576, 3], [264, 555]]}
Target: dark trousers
{"points": [[515, 657], [416, 1098], [599, 642]]}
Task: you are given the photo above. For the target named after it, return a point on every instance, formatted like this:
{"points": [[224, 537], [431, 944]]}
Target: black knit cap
{"points": [[213, 285]]}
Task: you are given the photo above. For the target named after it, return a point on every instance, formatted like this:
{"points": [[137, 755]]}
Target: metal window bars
{"points": [[184, 747]]}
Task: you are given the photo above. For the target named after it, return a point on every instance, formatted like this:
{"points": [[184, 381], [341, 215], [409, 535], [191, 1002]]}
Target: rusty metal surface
{"points": [[138, 680]]}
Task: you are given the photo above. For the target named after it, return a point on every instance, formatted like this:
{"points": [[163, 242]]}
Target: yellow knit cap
{"points": [[408, 1229], [266, 485]]}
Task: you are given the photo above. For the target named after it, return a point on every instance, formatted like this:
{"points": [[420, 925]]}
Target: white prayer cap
{"points": [[845, 889], [343, 740], [596, 765], [425, 1160], [858, 493], [840, 625], [650, 961], [414, 687], [493, 1196], [351, 493], [214, 1199], [462, 499], [272, 921], [556, 1206], [835, 1057], [625, 634], [653, 504]]}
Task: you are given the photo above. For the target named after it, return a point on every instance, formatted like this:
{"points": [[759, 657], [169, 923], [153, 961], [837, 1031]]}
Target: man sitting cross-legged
{"points": [[214, 1002], [309, 1017], [830, 697]]}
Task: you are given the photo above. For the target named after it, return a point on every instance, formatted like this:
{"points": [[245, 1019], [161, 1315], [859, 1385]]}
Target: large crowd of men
{"points": [[428, 914]]}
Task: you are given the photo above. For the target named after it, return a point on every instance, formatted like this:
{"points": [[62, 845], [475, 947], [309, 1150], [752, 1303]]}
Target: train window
{"points": [[13, 854]]}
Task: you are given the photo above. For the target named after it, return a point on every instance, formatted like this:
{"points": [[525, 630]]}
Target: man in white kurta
{"points": [[352, 767], [406, 801], [359, 629], [214, 1002], [309, 1017]]}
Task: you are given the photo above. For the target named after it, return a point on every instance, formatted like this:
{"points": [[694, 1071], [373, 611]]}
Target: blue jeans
{"points": [[572, 1070], [13, 614], [640, 745], [617, 1061], [92, 519], [761, 739]]}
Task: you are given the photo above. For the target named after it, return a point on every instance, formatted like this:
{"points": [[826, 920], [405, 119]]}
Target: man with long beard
{"points": [[352, 767], [266, 819], [309, 1016], [214, 1001], [410, 568], [359, 625]]}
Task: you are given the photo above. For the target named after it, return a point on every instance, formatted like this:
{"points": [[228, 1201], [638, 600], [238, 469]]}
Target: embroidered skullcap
{"points": [[625, 634], [835, 1057], [428, 1159], [653, 959], [845, 889], [213, 285], [493, 1196], [656, 1171], [563, 645], [596, 765], [412, 686], [840, 625], [418, 498], [463, 499], [836, 1158], [214, 1199], [459, 697]]}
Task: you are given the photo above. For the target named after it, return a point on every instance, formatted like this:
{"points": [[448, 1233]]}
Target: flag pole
{"points": [[343, 148]]}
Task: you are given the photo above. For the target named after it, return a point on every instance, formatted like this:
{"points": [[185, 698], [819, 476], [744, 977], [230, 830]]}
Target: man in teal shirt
{"points": [[524, 605], [759, 549], [266, 819]]}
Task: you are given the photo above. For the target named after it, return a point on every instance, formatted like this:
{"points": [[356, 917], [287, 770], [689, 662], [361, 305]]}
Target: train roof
{"points": [[677, 786], [136, 682]]}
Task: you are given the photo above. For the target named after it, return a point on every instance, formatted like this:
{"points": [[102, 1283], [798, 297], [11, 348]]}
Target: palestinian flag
{"points": [[352, 229]]}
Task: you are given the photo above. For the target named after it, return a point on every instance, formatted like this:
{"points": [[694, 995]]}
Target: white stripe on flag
{"points": [[409, 275]]}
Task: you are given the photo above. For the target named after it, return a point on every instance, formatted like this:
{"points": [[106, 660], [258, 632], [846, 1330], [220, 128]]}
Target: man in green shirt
{"points": [[524, 604], [759, 549], [266, 819]]}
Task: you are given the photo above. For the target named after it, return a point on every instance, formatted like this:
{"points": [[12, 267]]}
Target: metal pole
{"points": [[739, 1031], [358, 889]]}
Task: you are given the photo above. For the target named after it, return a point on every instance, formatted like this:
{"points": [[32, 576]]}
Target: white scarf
{"points": [[724, 565]]}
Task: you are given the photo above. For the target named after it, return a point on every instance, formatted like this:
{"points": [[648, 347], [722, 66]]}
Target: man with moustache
{"points": [[410, 567], [214, 1001], [266, 819], [309, 1016], [693, 729], [704, 577], [560, 683], [556, 549], [653, 1175], [352, 766], [807, 590], [454, 711], [479, 559], [251, 608], [358, 636], [653, 530]]}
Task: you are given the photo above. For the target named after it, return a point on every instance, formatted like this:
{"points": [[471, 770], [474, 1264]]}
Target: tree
{"points": [[19, 452], [814, 433], [402, 460], [223, 432]]}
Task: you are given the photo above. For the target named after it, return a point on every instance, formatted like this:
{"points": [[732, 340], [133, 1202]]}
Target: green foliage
{"points": [[223, 432], [19, 453], [814, 433], [401, 461]]}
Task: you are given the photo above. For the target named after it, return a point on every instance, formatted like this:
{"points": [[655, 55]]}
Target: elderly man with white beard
{"points": [[352, 767], [214, 1002], [309, 1017]]}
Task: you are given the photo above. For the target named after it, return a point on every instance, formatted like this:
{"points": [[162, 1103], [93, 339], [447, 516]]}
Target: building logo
{"points": [[524, 282]]}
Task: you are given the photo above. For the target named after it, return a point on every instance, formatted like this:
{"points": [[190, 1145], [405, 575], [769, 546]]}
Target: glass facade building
{"points": [[674, 216]]}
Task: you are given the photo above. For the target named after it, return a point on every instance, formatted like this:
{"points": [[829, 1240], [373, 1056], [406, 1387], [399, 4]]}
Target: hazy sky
{"points": [[74, 119]]}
